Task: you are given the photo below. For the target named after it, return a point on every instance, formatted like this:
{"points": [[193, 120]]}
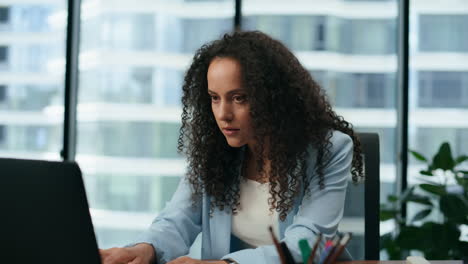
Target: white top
{"points": [[253, 218]]}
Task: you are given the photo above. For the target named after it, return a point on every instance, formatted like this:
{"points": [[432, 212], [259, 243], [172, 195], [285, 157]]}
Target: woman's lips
{"points": [[230, 131]]}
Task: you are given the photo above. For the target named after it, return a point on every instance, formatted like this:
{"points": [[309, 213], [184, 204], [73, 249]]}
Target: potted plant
{"points": [[442, 199]]}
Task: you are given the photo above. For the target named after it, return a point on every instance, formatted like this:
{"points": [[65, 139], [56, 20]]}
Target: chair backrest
{"points": [[370, 147], [361, 214]]}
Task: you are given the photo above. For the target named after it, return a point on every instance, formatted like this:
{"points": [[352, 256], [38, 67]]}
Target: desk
{"points": [[398, 262]]}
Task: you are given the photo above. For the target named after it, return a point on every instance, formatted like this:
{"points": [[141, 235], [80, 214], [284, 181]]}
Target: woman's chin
{"points": [[235, 143]]}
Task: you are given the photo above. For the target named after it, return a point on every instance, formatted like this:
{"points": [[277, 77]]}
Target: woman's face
{"points": [[229, 101]]}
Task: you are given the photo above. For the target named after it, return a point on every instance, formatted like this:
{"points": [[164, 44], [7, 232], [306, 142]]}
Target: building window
{"points": [[3, 54], [430, 138], [443, 89], [320, 37], [320, 77], [197, 31], [2, 93], [4, 14], [2, 134], [443, 33], [367, 36], [372, 90], [298, 32]]}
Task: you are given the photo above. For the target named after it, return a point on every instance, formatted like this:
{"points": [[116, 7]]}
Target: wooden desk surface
{"points": [[398, 262]]}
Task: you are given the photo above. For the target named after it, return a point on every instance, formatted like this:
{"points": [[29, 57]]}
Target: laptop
{"points": [[44, 214]]}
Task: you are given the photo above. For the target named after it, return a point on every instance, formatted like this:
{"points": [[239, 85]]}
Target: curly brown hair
{"points": [[287, 107]]}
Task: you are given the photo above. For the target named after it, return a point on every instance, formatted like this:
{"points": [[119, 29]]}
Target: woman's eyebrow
{"points": [[239, 90]]}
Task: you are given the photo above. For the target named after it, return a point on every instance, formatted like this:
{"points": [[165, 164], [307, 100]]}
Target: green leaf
{"points": [[435, 241], [386, 207], [426, 180], [418, 155], [443, 238], [461, 159], [449, 235], [421, 215], [415, 198], [462, 179], [412, 237], [425, 172], [387, 214], [454, 208], [387, 243], [392, 198], [461, 250], [443, 159], [435, 189]]}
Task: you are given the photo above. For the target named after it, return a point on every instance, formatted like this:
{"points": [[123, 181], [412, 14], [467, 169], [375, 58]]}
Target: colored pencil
{"points": [[340, 247], [331, 249], [278, 246], [314, 249], [287, 253], [305, 250]]}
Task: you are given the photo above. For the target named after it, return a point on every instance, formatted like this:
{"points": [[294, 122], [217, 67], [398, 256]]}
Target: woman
{"points": [[264, 148]]}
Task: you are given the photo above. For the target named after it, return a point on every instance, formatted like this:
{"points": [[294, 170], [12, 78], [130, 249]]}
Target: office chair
{"points": [[370, 148], [361, 212]]}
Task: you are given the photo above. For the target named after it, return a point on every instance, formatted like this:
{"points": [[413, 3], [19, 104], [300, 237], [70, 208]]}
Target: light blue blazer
{"points": [[176, 227]]}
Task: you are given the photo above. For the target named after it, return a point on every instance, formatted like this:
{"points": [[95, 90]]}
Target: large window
{"points": [[31, 88], [438, 82], [439, 78], [132, 61], [353, 57]]}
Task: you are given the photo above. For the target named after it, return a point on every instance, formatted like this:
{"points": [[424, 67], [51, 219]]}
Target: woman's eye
{"points": [[240, 98], [214, 98]]}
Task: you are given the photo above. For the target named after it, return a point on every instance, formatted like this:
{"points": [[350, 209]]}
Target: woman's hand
{"points": [[187, 260], [138, 254]]}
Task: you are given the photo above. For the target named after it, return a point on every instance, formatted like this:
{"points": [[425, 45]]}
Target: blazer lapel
{"points": [[220, 232]]}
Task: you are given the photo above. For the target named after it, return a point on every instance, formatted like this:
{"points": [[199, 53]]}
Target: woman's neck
{"points": [[251, 168]]}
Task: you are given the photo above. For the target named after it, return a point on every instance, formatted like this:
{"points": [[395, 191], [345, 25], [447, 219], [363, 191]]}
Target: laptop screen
{"points": [[44, 213]]}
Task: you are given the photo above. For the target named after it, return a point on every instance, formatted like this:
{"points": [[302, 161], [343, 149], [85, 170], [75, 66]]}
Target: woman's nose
{"points": [[225, 112]]}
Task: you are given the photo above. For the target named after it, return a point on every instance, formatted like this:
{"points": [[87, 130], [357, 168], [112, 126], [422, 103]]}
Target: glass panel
{"points": [[31, 88], [433, 34], [132, 60], [442, 89], [438, 86], [350, 49]]}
